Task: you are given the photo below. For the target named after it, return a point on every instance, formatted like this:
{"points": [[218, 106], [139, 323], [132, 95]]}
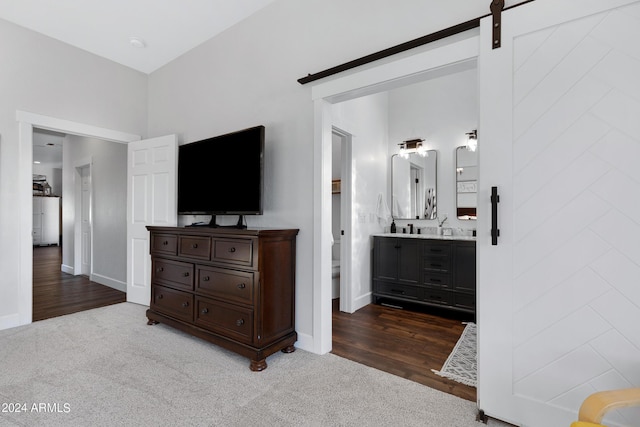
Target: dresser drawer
{"points": [[164, 244], [231, 285], [395, 290], [195, 247], [171, 302], [233, 251], [172, 273], [230, 320]]}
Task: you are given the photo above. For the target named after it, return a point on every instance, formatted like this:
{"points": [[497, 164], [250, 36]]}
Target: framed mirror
{"points": [[466, 183], [413, 186]]}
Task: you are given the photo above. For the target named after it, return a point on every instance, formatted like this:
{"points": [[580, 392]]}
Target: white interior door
{"points": [[151, 200], [559, 302], [85, 219]]}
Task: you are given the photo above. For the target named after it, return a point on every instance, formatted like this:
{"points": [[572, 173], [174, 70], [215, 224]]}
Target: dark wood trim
{"points": [[402, 47]]}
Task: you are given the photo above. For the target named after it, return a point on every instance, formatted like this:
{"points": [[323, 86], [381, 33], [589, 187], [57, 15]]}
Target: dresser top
{"points": [[208, 231]]}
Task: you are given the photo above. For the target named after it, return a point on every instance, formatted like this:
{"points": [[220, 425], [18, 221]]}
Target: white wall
{"points": [[366, 120], [441, 111], [109, 206], [44, 76]]}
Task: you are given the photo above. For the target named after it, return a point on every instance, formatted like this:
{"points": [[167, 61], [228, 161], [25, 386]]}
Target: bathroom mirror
{"points": [[413, 186], [466, 183]]}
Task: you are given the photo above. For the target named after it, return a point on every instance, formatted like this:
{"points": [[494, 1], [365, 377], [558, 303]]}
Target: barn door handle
{"points": [[495, 199]]}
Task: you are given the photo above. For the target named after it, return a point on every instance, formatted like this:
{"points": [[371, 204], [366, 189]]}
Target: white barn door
{"points": [[151, 200], [559, 296]]}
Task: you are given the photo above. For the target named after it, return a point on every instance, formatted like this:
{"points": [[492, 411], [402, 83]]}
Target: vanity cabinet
{"points": [[431, 272], [234, 288]]}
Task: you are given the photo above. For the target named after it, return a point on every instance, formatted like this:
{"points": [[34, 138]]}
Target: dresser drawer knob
{"points": [[165, 243], [239, 322], [194, 246], [206, 278], [205, 311], [160, 296], [241, 286], [232, 250], [159, 270], [186, 274], [185, 304]]}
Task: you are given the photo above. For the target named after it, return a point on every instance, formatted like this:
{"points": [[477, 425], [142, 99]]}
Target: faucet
{"points": [[441, 222]]}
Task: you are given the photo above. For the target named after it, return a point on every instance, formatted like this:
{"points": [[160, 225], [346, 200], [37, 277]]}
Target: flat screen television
{"points": [[222, 175]]}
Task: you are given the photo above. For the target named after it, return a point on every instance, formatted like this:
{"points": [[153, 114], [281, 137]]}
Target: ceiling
{"points": [[168, 28]]}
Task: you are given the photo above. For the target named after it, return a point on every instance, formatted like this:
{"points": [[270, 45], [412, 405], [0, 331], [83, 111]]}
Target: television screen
{"points": [[222, 175]]}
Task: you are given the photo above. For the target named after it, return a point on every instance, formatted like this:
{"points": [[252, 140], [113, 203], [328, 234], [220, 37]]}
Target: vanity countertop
{"points": [[426, 236]]}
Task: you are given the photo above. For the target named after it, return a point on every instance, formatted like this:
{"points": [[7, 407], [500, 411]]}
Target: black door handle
{"points": [[495, 199]]}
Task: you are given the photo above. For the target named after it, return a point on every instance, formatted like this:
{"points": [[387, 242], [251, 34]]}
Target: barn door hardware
{"points": [[496, 7], [495, 199], [496, 10]]}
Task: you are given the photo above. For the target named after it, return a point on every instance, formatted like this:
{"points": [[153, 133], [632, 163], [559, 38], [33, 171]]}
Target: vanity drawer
{"points": [[172, 273], [195, 247], [227, 284], [171, 302], [164, 244], [437, 249], [395, 290], [466, 301], [436, 279], [435, 263], [234, 251], [437, 296], [229, 320]]}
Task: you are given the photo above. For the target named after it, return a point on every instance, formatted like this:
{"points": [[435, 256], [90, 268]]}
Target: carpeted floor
{"points": [[106, 367]]}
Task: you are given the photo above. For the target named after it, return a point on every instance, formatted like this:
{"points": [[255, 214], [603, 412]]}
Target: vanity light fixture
{"points": [[472, 140], [412, 146]]}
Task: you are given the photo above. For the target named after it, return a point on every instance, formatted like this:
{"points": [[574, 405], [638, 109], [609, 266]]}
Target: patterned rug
{"points": [[461, 365]]}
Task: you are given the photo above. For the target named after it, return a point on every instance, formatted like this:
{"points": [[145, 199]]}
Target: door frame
{"points": [[445, 58], [26, 122], [346, 215]]}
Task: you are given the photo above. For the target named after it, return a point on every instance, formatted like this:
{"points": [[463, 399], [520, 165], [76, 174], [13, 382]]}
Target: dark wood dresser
{"points": [[234, 288]]}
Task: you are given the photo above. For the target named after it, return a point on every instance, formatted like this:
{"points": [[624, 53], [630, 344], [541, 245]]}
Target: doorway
{"points": [[26, 124], [460, 55]]}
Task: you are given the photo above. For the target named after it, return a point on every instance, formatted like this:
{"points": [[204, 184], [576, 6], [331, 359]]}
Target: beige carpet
{"points": [[106, 367]]}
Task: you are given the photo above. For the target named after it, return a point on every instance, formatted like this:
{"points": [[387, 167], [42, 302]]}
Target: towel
{"points": [[382, 210]]}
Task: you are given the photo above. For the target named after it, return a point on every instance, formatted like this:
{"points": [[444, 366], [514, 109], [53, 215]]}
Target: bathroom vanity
{"points": [[430, 270]]}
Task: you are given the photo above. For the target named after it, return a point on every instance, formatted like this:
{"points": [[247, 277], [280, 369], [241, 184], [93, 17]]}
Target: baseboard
{"points": [[107, 281], [305, 342], [67, 269], [10, 321], [361, 301]]}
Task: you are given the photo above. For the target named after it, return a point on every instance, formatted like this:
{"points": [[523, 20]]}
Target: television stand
{"points": [[212, 223]]}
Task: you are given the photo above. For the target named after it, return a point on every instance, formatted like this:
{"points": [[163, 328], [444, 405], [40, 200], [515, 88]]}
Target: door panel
{"points": [[559, 103], [152, 168]]}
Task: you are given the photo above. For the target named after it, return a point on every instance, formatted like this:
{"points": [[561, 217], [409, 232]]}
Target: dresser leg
{"points": [[288, 349], [258, 365], [152, 322]]}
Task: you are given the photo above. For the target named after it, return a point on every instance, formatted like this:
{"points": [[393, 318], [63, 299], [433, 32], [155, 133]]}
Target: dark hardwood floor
{"points": [[404, 343], [56, 293]]}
